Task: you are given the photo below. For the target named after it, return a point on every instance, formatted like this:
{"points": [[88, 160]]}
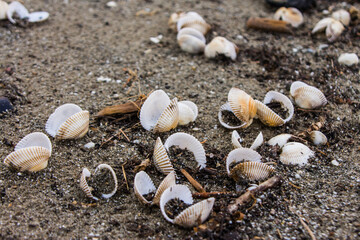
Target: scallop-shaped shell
{"points": [[342, 15], [188, 112], [31, 153], [191, 40], [295, 153], [290, 15], [241, 155], [3, 8], [242, 105], [174, 18], [226, 107], [188, 142], [161, 158], [220, 45], [84, 185], [68, 121], [306, 96], [193, 215], [348, 59], [236, 139], [19, 9], [254, 171], [280, 139], [193, 20], [318, 138], [169, 119]]}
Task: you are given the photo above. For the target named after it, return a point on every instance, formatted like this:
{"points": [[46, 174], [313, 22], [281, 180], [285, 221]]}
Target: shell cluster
{"points": [[290, 15], [7, 11], [306, 96]]}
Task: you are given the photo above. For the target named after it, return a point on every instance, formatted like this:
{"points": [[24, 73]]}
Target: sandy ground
{"points": [[59, 61]]}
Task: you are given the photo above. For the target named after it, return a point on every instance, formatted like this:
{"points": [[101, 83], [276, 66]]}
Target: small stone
{"points": [[89, 145], [322, 46], [348, 59], [5, 105], [335, 163], [111, 4], [297, 175], [103, 79], [157, 39]]}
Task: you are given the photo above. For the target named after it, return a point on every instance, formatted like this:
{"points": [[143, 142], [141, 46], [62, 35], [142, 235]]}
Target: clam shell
{"points": [[295, 153], [241, 155], [342, 15], [254, 171], [193, 20], [306, 96], [168, 181], [348, 59], [188, 112], [322, 25], [280, 139], [143, 185], [169, 119], [220, 45], [236, 139], [3, 8], [226, 107], [84, 185], [108, 167], [174, 17], [19, 9], [242, 104], [187, 141], [290, 15], [38, 16], [334, 30], [191, 40], [34, 139], [257, 142], [161, 158], [318, 138]]}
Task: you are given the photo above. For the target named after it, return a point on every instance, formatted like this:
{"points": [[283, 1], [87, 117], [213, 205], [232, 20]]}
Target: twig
{"points": [[279, 233], [312, 110], [254, 203], [270, 25], [128, 107], [193, 182], [294, 185], [307, 228], [214, 194], [124, 134], [124, 173]]}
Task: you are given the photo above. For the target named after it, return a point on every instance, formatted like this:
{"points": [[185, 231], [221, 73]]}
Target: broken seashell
{"points": [[295, 153], [235, 139], [174, 18], [188, 112], [161, 159], [143, 185], [3, 9], [220, 45], [68, 121], [241, 155], [254, 171], [333, 28], [193, 215], [290, 15], [191, 40], [306, 96], [193, 20], [188, 142], [31, 153], [19, 9], [318, 138], [343, 16], [88, 190], [280, 140], [38, 16], [348, 59], [258, 141]]}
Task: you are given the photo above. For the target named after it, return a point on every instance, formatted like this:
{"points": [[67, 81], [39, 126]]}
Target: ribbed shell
{"points": [[143, 185], [306, 96], [290, 15], [295, 153], [174, 18], [3, 8], [318, 138], [168, 181], [161, 158], [34, 139], [188, 112], [280, 139], [242, 104], [226, 107], [19, 9], [74, 127], [241, 155], [191, 40], [193, 20], [189, 142], [113, 174], [254, 171], [84, 185], [169, 118], [220, 45]]}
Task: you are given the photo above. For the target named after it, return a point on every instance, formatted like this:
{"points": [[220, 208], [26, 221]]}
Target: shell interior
{"points": [[226, 107], [168, 181], [273, 96], [188, 112], [113, 174], [143, 185], [19, 9], [322, 25], [254, 171], [34, 139], [3, 9], [161, 158], [290, 15], [295, 153], [241, 155], [280, 139], [242, 104], [38, 16]]}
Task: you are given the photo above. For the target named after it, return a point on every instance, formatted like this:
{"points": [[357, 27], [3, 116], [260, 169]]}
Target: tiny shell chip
{"points": [[38, 16], [19, 9], [191, 40], [220, 45], [241, 155], [318, 138], [188, 112], [280, 139], [342, 15], [290, 15], [306, 96], [295, 153], [193, 20], [348, 59], [161, 158], [254, 171], [3, 8]]}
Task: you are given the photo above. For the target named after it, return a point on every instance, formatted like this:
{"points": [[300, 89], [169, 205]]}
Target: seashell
{"points": [[161, 159], [3, 9], [318, 138], [348, 59], [19, 9], [220, 45], [193, 215], [306, 96], [254, 171], [158, 113], [280, 140], [193, 20], [242, 105], [31, 153], [188, 112], [68, 121], [191, 40], [235, 139], [174, 18], [88, 190], [322, 25], [295, 153], [188, 142], [241, 155], [290, 15], [333, 28], [38, 16], [343, 16], [143, 185], [226, 107], [268, 116], [258, 141]]}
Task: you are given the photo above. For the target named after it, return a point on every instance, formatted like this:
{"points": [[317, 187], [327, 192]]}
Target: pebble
{"points": [[89, 145], [348, 59], [322, 46], [157, 39], [111, 4], [5, 105], [335, 163], [103, 79]]}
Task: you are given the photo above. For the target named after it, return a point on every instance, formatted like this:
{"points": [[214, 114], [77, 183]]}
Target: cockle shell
{"points": [[19, 9], [220, 45], [295, 153], [193, 215], [241, 155], [252, 170], [161, 158], [236, 139], [193, 20], [143, 185], [158, 113], [333, 27], [306, 96], [38, 16], [191, 40], [348, 59], [174, 18], [318, 138], [88, 190], [3, 9], [290, 15], [280, 139], [188, 112], [226, 107], [242, 105], [268, 116], [343, 16], [31, 153]]}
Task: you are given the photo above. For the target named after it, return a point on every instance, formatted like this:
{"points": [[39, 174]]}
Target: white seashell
{"points": [[241, 155], [193, 20], [111, 4], [84, 185], [188, 112], [242, 105], [220, 45], [295, 153], [67, 122], [322, 25], [169, 119], [226, 107], [342, 15], [318, 138], [290, 15], [306, 96], [31, 153], [236, 139], [280, 140], [192, 216], [3, 9], [188, 142], [38, 16], [191, 40], [174, 18], [334, 30], [168, 181], [258, 141], [348, 59], [252, 170], [161, 159], [19, 9]]}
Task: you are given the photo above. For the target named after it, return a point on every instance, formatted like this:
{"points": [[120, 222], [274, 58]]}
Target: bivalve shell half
{"points": [[236, 140], [38, 16], [241, 155], [193, 215], [318, 138], [290, 15], [191, 40], [226, 107], [188, 112], [161, 158], [348, 59], [242, 105], [306, 96], [295, 153], [174, 18], [220, 45], [3, 9], [254, 171], [343, 16], [19, 9], [280, 140], [193, 20]]}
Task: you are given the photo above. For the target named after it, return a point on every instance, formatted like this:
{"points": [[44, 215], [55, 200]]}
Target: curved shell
{"points": [[193, 20], [168, 181], [34, 139], [236, 140], [295, 153], [348, 59], [187, 141], [19, 9], [290, 15], [220, 45], [84, 185], [334, 30], [226, 107], [169, 119], [3, 9], [241, 155], [191, 40], [161, 158], [254, 171], [242, 105], [257, 142], [143, 185], [318, 138], [280, 139], [174, 18], [322, 25], [342, 15], [306, 96], [38, 16], [188, 112]]}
